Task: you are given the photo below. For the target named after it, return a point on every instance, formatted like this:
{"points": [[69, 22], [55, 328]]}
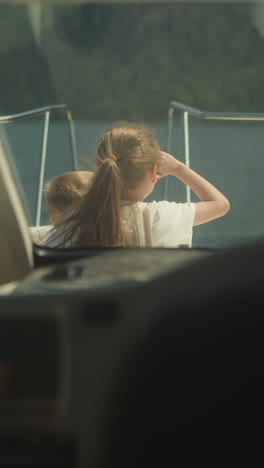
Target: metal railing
{"points": [[5, 119], [185, 112]]}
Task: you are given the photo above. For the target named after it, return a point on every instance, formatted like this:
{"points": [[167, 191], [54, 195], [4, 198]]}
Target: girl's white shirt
{"points": [[155, 224], [172, 223]]}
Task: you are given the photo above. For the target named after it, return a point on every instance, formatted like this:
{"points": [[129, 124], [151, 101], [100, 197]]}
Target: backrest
{"points": [[16, 251]]}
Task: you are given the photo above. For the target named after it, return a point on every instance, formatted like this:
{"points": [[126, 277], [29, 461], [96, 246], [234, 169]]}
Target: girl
{"points": [[113, 213]]}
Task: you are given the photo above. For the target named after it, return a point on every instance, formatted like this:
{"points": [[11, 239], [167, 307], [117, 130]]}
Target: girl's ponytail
{"points": [[97, 220]]}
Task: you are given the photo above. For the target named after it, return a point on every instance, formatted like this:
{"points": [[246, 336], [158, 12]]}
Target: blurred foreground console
{"points": [[152, 368]]}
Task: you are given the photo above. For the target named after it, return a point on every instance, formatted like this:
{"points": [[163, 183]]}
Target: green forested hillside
{"points": [[113, 60]]}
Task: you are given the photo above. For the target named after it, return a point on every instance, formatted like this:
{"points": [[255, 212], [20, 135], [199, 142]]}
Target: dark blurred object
{"points": [[162, 372], [191, 392]]}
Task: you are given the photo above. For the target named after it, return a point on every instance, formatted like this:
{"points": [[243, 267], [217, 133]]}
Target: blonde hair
{"points": [[125, 153], [64, 190]]}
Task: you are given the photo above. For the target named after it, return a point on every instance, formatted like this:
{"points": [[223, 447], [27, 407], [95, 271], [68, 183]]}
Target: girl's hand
{"points": [[168, 165]]}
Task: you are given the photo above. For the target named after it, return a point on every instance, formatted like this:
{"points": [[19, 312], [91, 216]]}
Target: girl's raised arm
{"points": [[213, 203]]}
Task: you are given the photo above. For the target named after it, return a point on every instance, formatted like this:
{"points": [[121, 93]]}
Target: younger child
{"points": [[61, 194], [64, 191]]}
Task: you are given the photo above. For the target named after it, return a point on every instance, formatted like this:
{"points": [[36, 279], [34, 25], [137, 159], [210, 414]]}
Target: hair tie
{"points": [[113, 157]]}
